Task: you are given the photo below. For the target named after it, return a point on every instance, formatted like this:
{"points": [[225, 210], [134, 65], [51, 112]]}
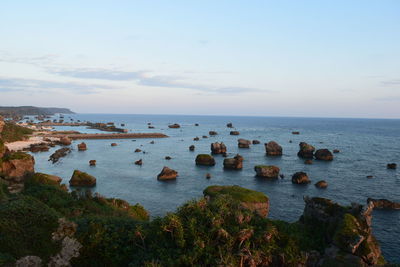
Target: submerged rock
{"points": [[212, 133], [391, 166], [234, 133], [295, 132], [218, 148], [174, 126], [229, 125], [59, 153], [205, 160], [167, 174], [82, 146], [235, 163], [321, 184], [306, 151], [192, 148], [208, 175], [300, 178], [137, 150], [308, 161], [168, 158], [336, 151], [196, 139], [249, 199], [113, 144], [273, 149], [323, 154], [92, 162], [267, 171], [65, 141], [256, 142], [139, 162], [243, 143], [80, 178]]}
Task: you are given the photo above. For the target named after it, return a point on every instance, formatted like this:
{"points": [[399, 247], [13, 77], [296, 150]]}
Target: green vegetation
{"points": [[347, 231], [236, 192], [12, 132], [17, 155], [46, 179]]}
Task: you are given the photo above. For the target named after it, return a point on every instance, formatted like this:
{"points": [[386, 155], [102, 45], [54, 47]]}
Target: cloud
{"points": [[388, 99], [393, 82], [33, 85], [101, 74]]}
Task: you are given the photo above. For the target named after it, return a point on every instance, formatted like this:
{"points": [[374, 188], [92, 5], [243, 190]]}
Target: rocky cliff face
{"points": [[347, 231]]}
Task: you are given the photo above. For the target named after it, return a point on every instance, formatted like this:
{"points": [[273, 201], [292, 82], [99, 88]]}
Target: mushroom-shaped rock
{"points": [[267, 171], [65, 141], [192, 147], [82, 147], [113, 144], [234, 133], [323, 154], [256, 142], [321, 184], [139, 162], [243, 143], [218, 148], [249, 199], [306, 151], [235, 163], [384, 204], [205, 160], [300, 178], [167, 174], [273, 149], [174, 126], [92, 162], [212, 133], [80, 178], [391, 166]]}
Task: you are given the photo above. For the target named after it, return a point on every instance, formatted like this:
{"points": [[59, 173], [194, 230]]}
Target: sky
{"points": [[228, 57]]}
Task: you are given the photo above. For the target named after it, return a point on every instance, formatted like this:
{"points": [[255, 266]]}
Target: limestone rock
{"points": [[167, 174], [80, 178], [267, 171], [273, 149]]}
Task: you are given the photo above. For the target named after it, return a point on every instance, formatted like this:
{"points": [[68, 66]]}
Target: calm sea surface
{"points": [[366, 146]]}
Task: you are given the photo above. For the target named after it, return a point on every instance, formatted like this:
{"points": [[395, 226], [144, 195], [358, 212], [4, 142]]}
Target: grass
{"points": [[236, 192], [12, 132]]}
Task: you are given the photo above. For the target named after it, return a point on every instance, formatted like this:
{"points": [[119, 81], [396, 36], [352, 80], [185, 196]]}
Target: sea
{"points": [[366, 146]]}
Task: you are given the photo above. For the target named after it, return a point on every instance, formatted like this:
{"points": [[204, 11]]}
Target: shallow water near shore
{"points": [[366, 146]]}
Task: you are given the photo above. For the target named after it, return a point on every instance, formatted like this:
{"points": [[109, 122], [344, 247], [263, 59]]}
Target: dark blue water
{"points": [[366, 146]]}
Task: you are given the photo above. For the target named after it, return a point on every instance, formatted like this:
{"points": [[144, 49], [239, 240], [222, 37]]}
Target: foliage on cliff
{"points": [[12, 132]]}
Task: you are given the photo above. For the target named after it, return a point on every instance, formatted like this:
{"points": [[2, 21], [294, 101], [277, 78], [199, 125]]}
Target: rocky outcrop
{"points": [[391, 166], [323, 154], [59, 153], [174, 126], [212, 133], [205, 160], [234, 133], [29, 261], [167, 174], [14, 167], [113, 144], [84, 179], [267, 171], [229, 125], [42, 147], [44, 178], [347, 231], [137, 150], [306, 151], [383, 204], [300, 178], [235, 163], [92, 162], [168, 158], [273, 149], [336, 151], [69, 245], [321, 184], [218, 148], [1, 124], [65, 141], [243, 143], [82, 146], [196, 138], [249, 199], [192, 148], [139, 162], [295, 132], [256, 142]]}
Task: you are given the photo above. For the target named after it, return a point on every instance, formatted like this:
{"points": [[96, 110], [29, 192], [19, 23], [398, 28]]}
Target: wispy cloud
{"points": [[393, 82], [32, 85], [101, 74]]}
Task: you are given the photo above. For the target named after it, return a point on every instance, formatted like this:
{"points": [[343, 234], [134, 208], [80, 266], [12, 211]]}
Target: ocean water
{"points": [[366, 146]]}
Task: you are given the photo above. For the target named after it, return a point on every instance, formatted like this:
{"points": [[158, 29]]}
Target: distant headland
{"points": [[31, 110]]}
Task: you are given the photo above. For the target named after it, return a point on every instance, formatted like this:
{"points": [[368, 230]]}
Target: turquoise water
{"points": [[366, 146]]}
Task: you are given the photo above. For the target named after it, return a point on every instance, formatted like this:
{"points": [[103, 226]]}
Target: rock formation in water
{"points": [[243, 143], [235, 163], [83, 179], [272, 148], [267, 171], [306, 151], [167, 174], [323, 154], [300, 178], [205, 160], [218, 148]]}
